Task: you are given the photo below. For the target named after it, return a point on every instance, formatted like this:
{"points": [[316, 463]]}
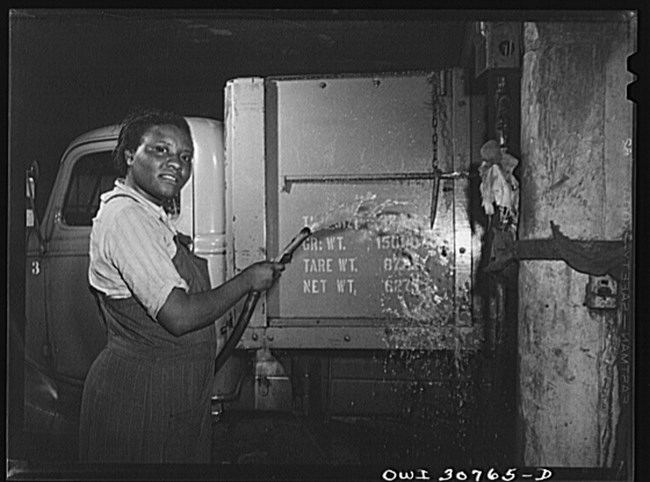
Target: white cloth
{"points": [[498, 184], [496, 189]]}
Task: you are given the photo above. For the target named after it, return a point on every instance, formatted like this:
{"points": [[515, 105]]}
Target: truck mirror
{"points": [[31, 178], [31, 220], [29, 213], [30, 185]]}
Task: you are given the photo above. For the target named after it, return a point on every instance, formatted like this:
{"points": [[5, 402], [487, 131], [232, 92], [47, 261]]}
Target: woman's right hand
{"points": [[263, 274], [183, 312]]}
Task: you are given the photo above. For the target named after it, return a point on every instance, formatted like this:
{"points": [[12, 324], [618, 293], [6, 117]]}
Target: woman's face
{"points": [[161, 164]]}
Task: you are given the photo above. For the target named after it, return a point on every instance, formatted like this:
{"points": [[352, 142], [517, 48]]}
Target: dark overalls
{"points": [[146, 398]]}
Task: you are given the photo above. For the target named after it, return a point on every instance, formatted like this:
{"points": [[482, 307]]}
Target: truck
{"points": [[379, 313]]}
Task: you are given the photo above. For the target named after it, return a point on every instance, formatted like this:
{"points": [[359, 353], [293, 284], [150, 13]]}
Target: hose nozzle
{"points": [[287, 253]]}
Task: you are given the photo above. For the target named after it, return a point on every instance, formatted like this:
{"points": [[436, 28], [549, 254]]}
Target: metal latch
{"points": [[602, 293]]}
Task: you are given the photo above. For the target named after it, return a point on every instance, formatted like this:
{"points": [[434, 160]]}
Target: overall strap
{"points": [[193, 269]]}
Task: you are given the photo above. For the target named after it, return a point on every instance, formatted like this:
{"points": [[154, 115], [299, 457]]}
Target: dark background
{"points": [[72, 70], [75, 70]]}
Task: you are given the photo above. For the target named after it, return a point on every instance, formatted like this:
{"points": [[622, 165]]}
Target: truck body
{"points": [[377, 165]]}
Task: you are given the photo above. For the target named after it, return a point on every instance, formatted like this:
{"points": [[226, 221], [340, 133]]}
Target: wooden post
{"points": [[577, 172]]}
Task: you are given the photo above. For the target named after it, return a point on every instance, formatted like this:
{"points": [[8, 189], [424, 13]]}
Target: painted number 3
{"points": [[36, 268]]}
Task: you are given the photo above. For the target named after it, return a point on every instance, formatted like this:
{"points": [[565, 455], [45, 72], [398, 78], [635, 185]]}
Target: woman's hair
{"points": [[136, 124]]}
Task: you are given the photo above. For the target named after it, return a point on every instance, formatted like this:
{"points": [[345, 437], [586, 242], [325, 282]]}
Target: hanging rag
{"points": [[498, 183]]}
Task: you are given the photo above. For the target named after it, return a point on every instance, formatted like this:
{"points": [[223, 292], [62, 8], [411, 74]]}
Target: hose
{"points": [[251, 302]]}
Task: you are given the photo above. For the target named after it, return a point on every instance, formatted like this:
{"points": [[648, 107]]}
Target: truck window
{"points": [[92, 175]]}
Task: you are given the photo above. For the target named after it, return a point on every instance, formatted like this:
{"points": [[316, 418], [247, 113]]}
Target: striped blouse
{"points": [[131, 249]]}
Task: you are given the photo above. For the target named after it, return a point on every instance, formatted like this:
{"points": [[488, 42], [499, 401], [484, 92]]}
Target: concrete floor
{"points": [[267, 438], [280, 438]]}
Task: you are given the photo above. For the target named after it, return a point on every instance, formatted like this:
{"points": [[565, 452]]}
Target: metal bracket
{"points": [[601, 293], [497, 46], [597, 258]]}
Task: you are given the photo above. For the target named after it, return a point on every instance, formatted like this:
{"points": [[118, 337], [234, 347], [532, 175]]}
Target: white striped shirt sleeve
{"points": [[139, 247]]}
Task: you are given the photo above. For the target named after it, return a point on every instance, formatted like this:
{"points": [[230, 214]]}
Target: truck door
{"points": [[379, 167], [76, 336]]}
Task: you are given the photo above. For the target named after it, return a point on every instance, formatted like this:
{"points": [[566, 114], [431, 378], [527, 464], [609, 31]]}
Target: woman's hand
{"points": [[183, 313], [262, 275]]}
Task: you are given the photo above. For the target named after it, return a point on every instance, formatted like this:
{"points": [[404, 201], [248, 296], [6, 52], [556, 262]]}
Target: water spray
{"points": [[284, 257], [365, 213]]}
